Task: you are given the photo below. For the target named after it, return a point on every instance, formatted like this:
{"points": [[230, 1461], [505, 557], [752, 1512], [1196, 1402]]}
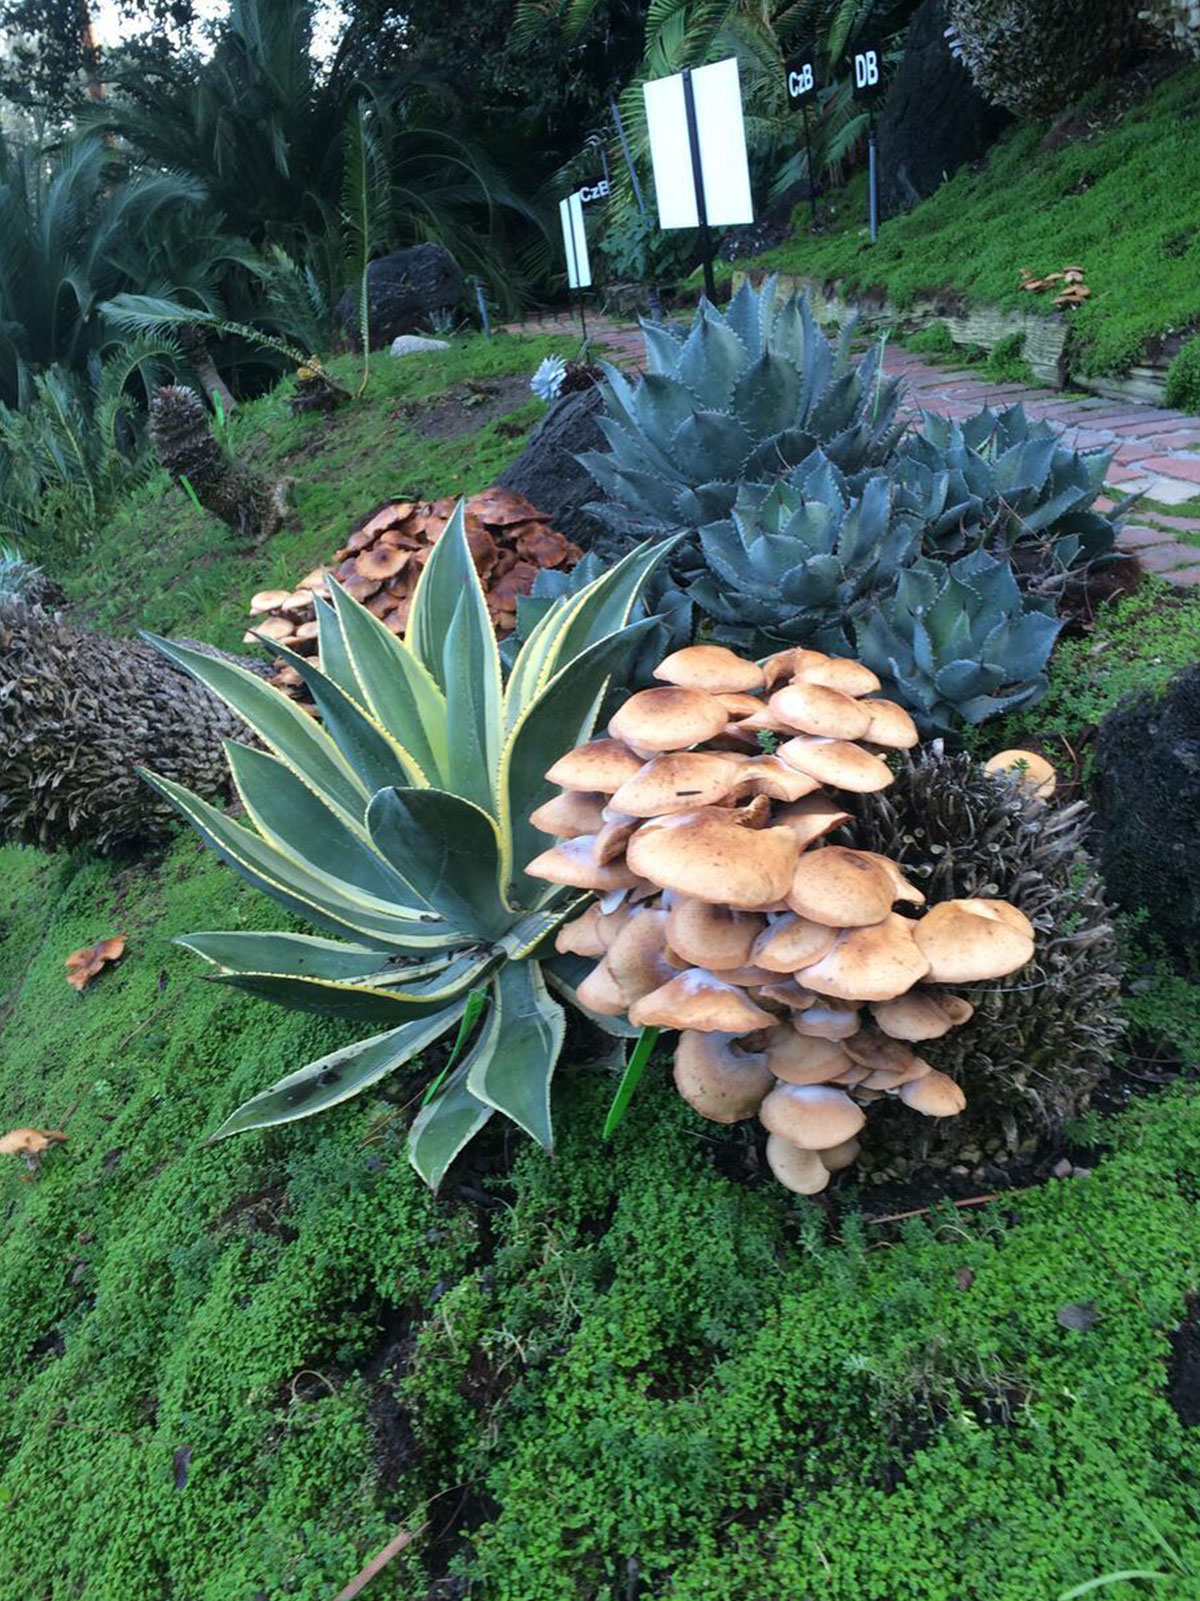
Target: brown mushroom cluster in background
{"points": [[799, 973], [381, 562], [83, 965], [1072, 290]]}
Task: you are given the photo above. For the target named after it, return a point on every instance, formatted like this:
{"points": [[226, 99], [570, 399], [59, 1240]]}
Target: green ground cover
{"points": [[1120, 197], [635, 1370]]}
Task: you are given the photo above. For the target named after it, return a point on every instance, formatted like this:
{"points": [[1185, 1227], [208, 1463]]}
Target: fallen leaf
{"points": [[30, 1144], [83, 965], [964, 1278]]}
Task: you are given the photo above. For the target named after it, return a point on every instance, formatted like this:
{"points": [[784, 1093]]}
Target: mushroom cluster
{"points": [[799, 972], [382, 559]]}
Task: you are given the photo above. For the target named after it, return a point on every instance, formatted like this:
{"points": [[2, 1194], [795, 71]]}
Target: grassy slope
{"points": [[1124, 202], [632, 1367]]}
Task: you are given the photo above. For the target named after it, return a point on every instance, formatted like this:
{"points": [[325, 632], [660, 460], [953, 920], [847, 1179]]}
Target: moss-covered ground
{"points": [[1115, 189], [234, 1372]]}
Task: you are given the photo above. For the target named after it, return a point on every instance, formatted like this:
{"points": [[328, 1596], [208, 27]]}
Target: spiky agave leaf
{"points": [[400, 823]]}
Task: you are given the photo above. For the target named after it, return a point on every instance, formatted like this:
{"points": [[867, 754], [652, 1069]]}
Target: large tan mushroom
{"points": [[698, 999], [573, 861], [723, 1084], [813, 1116], [803, 1172], [767, 775], [963, 946], [840, 888], [574, 812], [876, 963], [798, 1060], [790, 942], [890, 725], [713, 668], [709, 854], [601, 764], [716, 937], [668, 719], [812, 709], [680, 781], [922, 1015], [934, 1095], [635, 957], [1032, 771], [811, 818], [840, 673], [836, 762]]}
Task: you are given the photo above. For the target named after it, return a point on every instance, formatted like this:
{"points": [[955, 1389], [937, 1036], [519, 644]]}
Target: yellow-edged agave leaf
{"points": [[365, 1002], [340, 1075], [442, 1128], [471, 677], [332, 654], [298, 823], [535, 928], [308, 893], [401, 693], [561, 717], [369, 750], [446, 577], [538, 648], [513, 1060], [302, 955], [449, 849], [283, 728]]}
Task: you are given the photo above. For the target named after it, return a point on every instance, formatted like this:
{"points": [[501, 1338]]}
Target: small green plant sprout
{"points": [[401, 823]]}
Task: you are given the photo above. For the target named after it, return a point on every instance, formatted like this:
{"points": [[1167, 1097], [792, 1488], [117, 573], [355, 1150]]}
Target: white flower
{"points": [[547, 380]]}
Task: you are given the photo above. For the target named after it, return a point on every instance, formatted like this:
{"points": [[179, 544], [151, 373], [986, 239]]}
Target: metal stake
{"points": [[812, 182], [873, 192], [627, 153], [693, 127]]}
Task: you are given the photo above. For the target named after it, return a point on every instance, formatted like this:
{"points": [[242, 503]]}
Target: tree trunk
{"points": [[79, 712]]}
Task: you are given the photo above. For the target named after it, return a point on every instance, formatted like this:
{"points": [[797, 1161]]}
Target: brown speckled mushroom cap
{"points": [[574, 812], [876, 963], [840, 673], [934, 1095], [811, 818], [965, 947], [670, 718], [840, 888], [680, 781], [711, 855], [813, 1116], [890, 725], [836, 762], [601, 764], [790, 942], [921, 1015], [723, 1084], [714, 668], [716, 937], [698, 999], [573, 861], [813, 709], [803, 1172]]}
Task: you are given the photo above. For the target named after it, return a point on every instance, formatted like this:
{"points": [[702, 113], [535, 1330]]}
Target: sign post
{"points": [[868, 88], [579, 267], [698, 152], [801, 88]]}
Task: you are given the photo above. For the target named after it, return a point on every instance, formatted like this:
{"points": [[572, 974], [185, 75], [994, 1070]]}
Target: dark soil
{"points": [[1183, 1371], [467, 407]]}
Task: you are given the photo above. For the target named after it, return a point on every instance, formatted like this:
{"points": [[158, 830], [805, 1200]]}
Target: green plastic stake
{"points": [[630, 1079], [475, 1004], [186, 482]]}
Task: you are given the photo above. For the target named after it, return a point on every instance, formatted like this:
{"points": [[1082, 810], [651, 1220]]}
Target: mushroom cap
{"points": [[1033, 771], [839, 672], [267, 600], [872, 1049], [601, 764], [902, 888], [788, 664], [812, 709], [679, 781], [803, 1172], [890, 725], [698, 999], [876, 963], [840, 888], [635, 957], [716, 937], [798, 1060], [724, 1085], [274, 628], [836, 762], [381, 561], [613, 836], [581, 936], [964, 947], [838, 1157], [784, 991], [919, 1015], [790, 942], [670, 718], [1004, 911], [714, 668], [599, 993], [828, 1022], [739, 704], [574, 812], [767, 775], [811, 817], [813, 1116], [709, 854], [32, 1141], [934, 1095], [573, 862]]}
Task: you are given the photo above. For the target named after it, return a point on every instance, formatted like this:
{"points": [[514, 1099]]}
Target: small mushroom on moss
{"points": [[723, 1084], [30, 1144], [1032, 771], [813, 1116], [803, 1172]]}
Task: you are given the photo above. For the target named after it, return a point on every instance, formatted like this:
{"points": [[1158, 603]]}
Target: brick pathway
{"points": [[1156, 452]]}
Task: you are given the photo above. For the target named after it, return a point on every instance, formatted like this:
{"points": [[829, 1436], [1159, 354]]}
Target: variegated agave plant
{"points": [[400, 822]]}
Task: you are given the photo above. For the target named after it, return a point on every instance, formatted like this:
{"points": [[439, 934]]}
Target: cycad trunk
{"points": [[183, 441], [78, 714]]}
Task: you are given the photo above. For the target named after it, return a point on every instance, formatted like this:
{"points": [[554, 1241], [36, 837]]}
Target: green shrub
{"points": [[1006, 362], [1183, 378], [935, 340]]}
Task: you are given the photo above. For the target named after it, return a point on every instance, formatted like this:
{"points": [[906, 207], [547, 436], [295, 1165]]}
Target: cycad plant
{"points": [[400, 822]]}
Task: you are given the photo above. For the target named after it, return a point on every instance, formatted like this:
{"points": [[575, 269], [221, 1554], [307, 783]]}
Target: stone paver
{"points": [[1149, 444]]}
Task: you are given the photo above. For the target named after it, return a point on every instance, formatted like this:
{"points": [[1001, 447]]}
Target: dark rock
{"points": [[1148, 805], [933, 120], [548, 473], [403, 291]]}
